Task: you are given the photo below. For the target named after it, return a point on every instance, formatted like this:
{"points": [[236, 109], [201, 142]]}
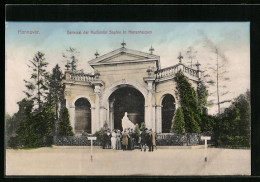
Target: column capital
{"points": [[149, 79], [97, 85]]}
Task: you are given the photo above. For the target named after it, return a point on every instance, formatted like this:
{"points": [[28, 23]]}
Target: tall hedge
{"points": [[65, 128], [179, 124]]}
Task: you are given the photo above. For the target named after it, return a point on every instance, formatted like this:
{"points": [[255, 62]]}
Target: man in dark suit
{"points": [[143, 140], [104, 139], [149, 140]]}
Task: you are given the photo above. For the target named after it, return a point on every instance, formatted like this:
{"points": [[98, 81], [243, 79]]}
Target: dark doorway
{"points": [[82, 116], [130, 100], [168, 110]]}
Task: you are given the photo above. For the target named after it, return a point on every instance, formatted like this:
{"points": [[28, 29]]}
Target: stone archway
{"points": [[168, 111], [82, 116], [106, 113], [126, 99]]}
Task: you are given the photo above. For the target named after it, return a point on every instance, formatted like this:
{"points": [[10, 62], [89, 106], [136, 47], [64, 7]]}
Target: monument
{"points": [[125, 80], [126, 123]]}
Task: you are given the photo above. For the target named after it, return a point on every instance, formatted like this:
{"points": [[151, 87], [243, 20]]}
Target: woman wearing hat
{"points": [[118, 140], [125, 137]]}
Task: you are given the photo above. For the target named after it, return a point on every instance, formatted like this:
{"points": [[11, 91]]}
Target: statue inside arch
{"points": [[126, 123]]}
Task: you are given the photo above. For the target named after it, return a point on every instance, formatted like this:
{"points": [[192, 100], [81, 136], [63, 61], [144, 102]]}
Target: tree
{"points": [[189, 103], [35, 130], [7, 121], [65, 128], [202, 93], [56, 92], [191, 54], [216, 73], [71, 59], [137, 132], [233, 128], [37, 87], [179, 124], [17, 122]]}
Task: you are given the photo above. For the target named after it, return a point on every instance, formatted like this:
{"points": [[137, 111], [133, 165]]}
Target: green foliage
{"points": [[137, 132], [84, 133], [233, 126], [56, 91], [207, 122], [65, 128], [189, 103], [71, 59], [202, 93], [12, 123], [99, 134], [35, 130], [179, 124], [37, 88]]}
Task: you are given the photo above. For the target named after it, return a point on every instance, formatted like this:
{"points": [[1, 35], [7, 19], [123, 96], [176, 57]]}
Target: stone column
{"points": [[158, 119], [93, 119], [111, 115], [71, 108], [72, 117], [97, 90], [150, 107], [103, 116]]}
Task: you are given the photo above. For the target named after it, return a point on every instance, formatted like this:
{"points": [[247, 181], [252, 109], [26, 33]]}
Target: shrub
{"points": [[65, 128], [179, 124], [99, 134]]}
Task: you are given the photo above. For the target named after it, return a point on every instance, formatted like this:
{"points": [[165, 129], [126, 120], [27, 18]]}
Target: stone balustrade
{"points": [[170, 71], [80, 77]]}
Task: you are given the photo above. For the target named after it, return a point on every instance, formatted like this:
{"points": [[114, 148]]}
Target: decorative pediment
{"points": [[123, 55]]}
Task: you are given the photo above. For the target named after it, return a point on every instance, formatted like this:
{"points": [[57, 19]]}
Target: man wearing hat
{"points": [[104, 139], [143, 142]]}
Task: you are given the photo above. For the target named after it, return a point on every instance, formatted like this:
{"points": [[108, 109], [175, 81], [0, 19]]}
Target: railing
{"points": [[170, 71], [80, 77]]}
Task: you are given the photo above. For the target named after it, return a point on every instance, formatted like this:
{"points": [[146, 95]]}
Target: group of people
{"points": [[128, 139]]}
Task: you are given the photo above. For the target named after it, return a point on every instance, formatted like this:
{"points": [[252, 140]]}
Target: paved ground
{"points": [[171, 161]]}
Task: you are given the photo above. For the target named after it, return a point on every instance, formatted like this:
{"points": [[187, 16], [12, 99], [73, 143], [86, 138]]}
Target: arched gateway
{"points": [[124, 80], [126, 99]]}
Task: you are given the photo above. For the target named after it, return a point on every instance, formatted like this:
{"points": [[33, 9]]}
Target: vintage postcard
{"points": [[121, 98]]}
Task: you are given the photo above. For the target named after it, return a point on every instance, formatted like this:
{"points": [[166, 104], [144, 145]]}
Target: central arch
{"points": [[107, 102], [126, 99]]}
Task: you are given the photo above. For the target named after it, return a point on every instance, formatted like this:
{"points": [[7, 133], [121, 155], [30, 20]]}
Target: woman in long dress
{"points": [[118, 140], [113, 140]]}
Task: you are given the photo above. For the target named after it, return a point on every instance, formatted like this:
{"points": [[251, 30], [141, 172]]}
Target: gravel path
{"points": [[175, 161]]}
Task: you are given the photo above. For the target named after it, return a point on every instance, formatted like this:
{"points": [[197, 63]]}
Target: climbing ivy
{"points": [[189, 103]]}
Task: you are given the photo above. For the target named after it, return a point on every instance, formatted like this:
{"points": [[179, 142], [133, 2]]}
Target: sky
{"points": [[232, 39]]}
